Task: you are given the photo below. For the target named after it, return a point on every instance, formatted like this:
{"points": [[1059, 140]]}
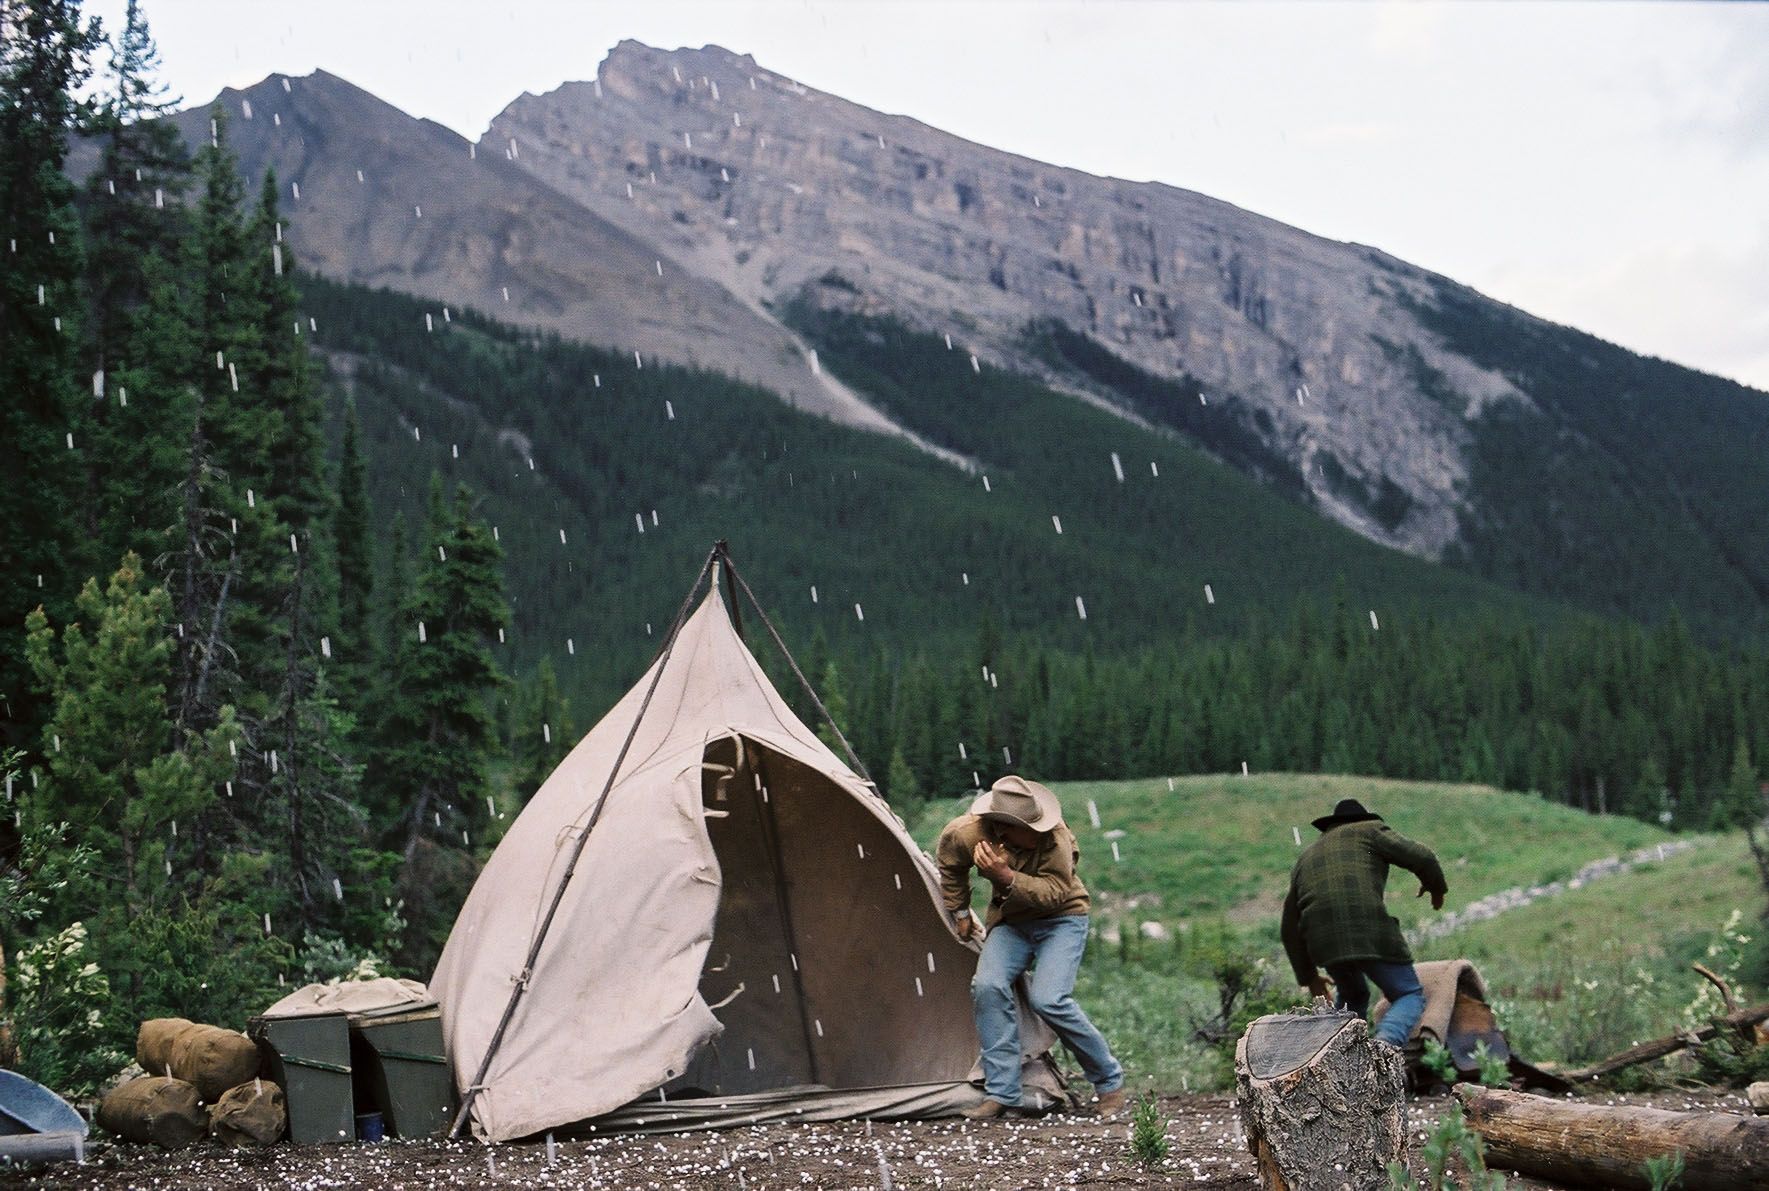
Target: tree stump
{"points": [[1322, 1102], [1603, 1145]]}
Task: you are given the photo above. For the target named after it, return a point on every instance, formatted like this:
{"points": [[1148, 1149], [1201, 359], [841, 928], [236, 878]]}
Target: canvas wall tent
{"points": [[750, 933]]}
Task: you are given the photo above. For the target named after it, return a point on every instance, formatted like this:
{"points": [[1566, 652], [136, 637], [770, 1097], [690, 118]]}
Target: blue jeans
{"points": [[1398, 982], [1052, 948]]}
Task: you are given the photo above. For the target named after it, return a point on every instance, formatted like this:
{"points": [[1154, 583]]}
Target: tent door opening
{"points": [[769, 1036]]}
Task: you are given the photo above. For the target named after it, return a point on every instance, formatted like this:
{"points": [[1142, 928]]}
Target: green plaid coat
{"points": [[1334, 912]]}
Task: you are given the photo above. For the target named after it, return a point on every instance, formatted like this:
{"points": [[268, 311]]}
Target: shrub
{"points": [[1148, 1132], [1450, 1141], [58, 1015]]}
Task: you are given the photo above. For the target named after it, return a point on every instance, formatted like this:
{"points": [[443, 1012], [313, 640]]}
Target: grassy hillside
{"points": [[1595, 970], [1223, 845], [1575, 977]]}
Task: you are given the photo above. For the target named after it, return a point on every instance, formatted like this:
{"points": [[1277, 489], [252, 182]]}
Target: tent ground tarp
{"points": [[798, 1104]]}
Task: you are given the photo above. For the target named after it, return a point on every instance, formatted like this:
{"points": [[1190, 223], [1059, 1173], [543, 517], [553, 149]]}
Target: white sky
{"points": [[1600, 164]]}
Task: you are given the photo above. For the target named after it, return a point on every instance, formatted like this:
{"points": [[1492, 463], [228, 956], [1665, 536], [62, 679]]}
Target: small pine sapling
{"points": [[1437, 1060], [1495, 1070], [1452, 1139], [1148, 1132], [1664, 1172]]}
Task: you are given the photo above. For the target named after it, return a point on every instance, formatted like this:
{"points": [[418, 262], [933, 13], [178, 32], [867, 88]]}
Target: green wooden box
{"points": [[310, 1057], [399, 1061]]}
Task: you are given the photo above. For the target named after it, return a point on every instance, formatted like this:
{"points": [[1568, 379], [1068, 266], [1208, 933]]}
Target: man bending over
{"points": [[1014, 835], [1334, 916]]}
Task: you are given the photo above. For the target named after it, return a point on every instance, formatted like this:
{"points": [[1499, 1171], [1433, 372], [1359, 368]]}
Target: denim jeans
{"points": [[1398, 982], [1052, 948]]}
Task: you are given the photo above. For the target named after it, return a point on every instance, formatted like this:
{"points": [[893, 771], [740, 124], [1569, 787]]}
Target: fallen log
{"points": [[1591, 1145], [42, 1147], [1740, 1022], [1321, 1102]]}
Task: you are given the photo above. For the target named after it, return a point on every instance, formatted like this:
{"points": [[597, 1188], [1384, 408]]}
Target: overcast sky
{"points": [[1600, 164]]}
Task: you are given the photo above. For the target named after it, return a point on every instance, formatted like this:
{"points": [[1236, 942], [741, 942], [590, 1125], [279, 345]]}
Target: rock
{"points": [[1758, 1095]]}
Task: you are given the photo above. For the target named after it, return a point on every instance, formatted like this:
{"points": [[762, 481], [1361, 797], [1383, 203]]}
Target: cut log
{"points": [[1742, 1021], [1323, 1104], [43, 1147], [1591, 1145]]}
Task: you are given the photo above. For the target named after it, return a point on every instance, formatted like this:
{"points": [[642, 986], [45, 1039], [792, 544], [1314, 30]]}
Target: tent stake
{"points": [[472, 1090]]}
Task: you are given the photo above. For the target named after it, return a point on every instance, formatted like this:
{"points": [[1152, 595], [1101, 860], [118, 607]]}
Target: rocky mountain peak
{"points": [[769, 187]]}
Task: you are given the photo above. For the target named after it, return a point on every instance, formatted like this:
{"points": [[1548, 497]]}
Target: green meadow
{"points": [[1575, 976]]}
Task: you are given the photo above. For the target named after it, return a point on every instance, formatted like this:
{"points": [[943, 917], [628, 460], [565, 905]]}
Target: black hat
{"points": [[1349, 810]]}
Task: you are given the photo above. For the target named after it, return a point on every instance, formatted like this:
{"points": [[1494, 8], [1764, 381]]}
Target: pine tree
{"points": [[118, 771], [434, 743], [544, 732], [295, 480], [1743, 803], [356, 569], [134, 221], [901, 788], [44, 59], [133, 198], [835, 701], [437, 736]]}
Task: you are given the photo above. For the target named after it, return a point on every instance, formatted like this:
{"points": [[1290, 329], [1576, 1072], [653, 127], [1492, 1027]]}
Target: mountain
{"points": [[607, 499], [376, 197], [692, 206]]}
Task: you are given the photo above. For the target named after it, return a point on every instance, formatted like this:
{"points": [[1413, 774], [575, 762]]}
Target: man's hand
{"points": [[966, 925], [1318, 987], [1436, 898], [992, 863]]}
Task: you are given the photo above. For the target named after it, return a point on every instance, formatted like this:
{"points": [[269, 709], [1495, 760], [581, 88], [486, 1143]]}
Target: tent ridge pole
{"points": [[472, 1090], [800, 675]]}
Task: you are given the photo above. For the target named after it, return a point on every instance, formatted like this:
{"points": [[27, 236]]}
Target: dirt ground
{"points": [[1207, 1151]]}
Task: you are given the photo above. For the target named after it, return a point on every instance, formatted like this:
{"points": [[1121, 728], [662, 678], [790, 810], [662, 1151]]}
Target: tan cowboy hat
{"points": [[1017, 800]]}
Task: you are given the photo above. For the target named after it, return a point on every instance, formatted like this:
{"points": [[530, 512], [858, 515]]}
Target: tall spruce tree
{"points": [[139, 349], [133, 198], [429, 767], [355, 636], [44, 59]]}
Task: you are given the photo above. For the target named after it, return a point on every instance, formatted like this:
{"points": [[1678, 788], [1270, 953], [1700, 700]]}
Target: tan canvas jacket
{"points": [[1045, 884]]}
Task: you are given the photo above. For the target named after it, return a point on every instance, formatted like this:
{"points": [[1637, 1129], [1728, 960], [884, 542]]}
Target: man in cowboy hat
{"points": [[1334, 916], [1014, 835]]}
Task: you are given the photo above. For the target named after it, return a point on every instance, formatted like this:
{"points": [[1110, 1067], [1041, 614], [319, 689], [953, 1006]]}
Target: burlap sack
{"points": [[153, 1043], [253, 1114], [154, 1109], [214, 1059]]}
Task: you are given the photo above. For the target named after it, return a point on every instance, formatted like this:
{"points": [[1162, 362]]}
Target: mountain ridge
{"points": [[691, 206]]}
